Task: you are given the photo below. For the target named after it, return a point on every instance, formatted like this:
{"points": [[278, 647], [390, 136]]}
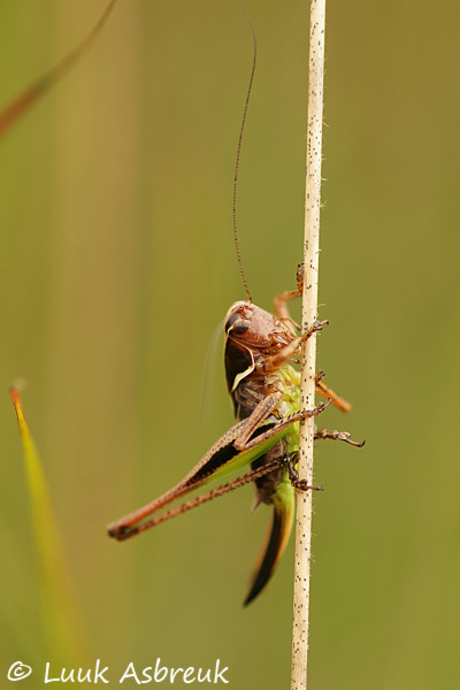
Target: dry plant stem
{"points": [[309, 314]]}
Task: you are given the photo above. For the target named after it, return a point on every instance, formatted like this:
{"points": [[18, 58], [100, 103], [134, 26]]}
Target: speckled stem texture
{"points": [[309, 314]]}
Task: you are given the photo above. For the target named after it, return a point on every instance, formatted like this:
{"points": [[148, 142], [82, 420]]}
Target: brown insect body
{"points": [[254, 338], [265, 392], [264, 387], [257, 343]]}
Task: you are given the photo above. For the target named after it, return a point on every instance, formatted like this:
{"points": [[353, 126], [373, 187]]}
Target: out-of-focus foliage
{"points": [[117, 264], [57, 616]]}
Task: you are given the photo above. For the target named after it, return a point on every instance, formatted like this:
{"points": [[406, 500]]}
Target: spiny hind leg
{"points": [[242, 443]]}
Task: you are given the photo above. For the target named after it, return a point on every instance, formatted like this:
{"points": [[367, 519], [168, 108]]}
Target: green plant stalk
{"points": [[58, 614]]}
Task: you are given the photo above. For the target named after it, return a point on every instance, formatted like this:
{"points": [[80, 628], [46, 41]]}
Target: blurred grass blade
{"points": [[59, 617], [22, 103]]}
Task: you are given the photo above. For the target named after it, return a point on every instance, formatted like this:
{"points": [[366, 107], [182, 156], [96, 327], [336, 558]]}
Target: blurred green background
{"points": [[117, 265]]}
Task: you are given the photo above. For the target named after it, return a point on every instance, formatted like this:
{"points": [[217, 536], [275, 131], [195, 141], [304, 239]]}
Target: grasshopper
{"points": [[260, 349]]}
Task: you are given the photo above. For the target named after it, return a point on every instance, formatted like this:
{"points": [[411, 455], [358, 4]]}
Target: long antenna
{"points": [[238, 152]]}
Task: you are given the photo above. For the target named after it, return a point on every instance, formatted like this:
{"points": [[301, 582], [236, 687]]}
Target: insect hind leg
{"points": [[279, 426]]}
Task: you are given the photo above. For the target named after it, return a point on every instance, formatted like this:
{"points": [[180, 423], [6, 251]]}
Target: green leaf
{"points": [[58, 612]]}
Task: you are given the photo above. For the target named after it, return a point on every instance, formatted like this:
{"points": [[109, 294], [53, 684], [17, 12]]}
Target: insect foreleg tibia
{"points": [[281, 299], [271, 363], [317, 326]]}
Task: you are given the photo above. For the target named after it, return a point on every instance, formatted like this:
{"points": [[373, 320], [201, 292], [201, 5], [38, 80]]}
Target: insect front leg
{"points": [[268, 365], [282, 312], [280, 301]]}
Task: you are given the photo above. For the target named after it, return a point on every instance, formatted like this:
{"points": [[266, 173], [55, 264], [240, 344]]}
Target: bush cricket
{"points": [[260, 349]]}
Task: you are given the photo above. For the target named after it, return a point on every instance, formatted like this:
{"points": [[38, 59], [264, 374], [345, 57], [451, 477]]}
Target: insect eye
{"points": [[240, 326], [236, 324]]}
